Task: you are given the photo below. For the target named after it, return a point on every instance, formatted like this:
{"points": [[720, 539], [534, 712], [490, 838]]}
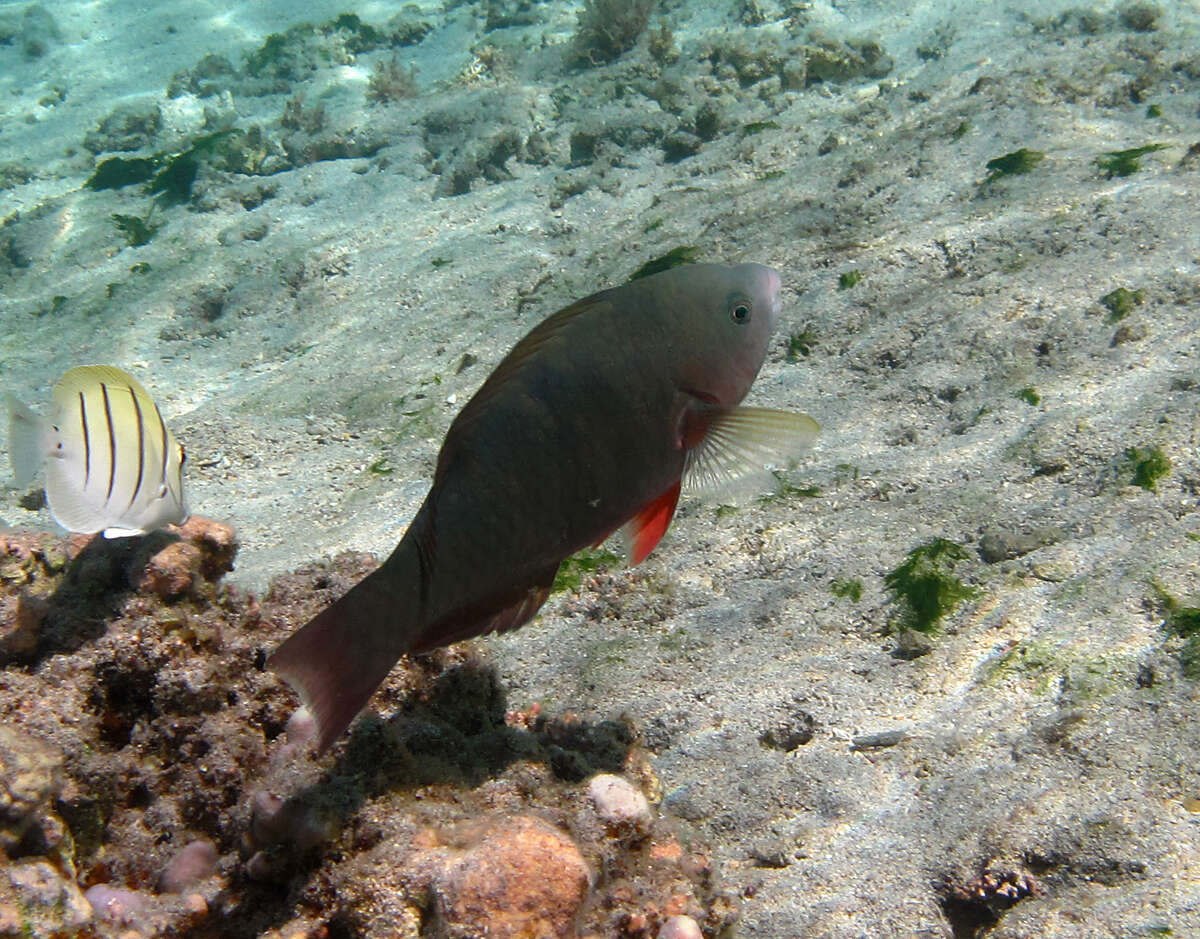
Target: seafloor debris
{"points": [[155, 781]]}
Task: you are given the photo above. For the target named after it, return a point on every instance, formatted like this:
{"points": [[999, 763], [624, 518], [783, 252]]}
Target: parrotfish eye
{"points": [[739, 312]]}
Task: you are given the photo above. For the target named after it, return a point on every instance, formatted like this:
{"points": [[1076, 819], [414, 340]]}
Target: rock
{"points": [[173, 571], [21, 618], [793, 731], [1140, 15], [622, 809], [130, 126], [521, 878], [217, 542], [680, 927], [117, 905], [30, 777], [996, 546], [195, 862], [46, 903]]}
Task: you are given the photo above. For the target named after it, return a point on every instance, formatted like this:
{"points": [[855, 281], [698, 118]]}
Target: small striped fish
{"points": [[111, 463]]}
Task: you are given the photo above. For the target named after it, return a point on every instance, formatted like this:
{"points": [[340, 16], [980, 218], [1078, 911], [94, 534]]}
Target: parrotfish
{"points": [[110, 462], [592, 423]]}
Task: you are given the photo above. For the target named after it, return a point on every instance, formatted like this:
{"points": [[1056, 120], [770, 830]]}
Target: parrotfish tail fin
{"points": [[25, 440], [337, 660], [740, 441], [645, 530]]}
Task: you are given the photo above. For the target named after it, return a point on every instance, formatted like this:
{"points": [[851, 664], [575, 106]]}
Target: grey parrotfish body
{"points": [[591, 423]]}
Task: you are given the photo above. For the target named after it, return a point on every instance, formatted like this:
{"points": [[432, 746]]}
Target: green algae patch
{"points": [[926, 586], [786, 490], [847, 589], [684, 254], [1121, 302], [1016, 163], [800, 344], [1184, 622], [572, 570], [119, 172], [1147, 465], [137, 231], [849, 279], [1029, 395], [171, 175], [1125, 162]]}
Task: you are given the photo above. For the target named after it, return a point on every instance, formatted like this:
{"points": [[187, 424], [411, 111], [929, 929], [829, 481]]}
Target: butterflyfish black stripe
{"points": [[162, 440], [112, 442], [141, 429], [87, 442]]}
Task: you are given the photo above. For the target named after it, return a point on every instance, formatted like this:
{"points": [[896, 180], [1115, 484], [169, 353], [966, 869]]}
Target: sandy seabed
{"points": [[344, 247]]}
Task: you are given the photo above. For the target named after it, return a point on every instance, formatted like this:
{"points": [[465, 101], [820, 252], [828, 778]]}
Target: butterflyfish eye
{"points": [[740, 312]]}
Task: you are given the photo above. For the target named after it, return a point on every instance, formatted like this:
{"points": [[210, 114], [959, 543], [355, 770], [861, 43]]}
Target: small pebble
{"points": [[116, 905], [680, 927], [622, 809], [194, 863], [886, 738]]}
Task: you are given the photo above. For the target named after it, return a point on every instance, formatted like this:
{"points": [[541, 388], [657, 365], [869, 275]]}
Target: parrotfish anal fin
{"points": [[735, 442], [542, 334], [515, 610], [645, 530]]}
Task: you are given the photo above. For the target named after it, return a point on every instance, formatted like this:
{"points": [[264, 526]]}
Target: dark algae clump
{"points": [[684, 254], [925, 585], [1125, 162], [1013, 164]]}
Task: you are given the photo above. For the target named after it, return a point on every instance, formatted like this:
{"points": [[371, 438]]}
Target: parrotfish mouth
{"points": [[775, 285]]}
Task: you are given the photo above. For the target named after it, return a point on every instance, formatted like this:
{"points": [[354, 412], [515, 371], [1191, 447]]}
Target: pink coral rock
{"points": [[520, 879]]}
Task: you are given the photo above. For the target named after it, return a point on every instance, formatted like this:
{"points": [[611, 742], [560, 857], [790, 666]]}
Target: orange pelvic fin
{"points": [[645, 530]]}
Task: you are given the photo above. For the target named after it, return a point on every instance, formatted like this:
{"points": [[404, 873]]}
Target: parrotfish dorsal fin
{"points": [[545, 332]]}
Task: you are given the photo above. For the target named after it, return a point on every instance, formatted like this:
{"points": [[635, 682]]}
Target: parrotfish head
{"points": [[734, 311]]}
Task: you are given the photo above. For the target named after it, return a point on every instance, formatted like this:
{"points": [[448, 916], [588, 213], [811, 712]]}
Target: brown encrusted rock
{"points": [[172, 572], [30, 777], [217, 542], [204, 552], [520, 879]]}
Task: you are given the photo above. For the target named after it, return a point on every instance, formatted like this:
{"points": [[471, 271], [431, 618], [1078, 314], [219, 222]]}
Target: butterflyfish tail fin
{"points": [[26, 445]]}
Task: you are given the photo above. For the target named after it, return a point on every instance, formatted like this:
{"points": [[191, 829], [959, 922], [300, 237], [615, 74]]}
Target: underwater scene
{"points": [[613, 469]]}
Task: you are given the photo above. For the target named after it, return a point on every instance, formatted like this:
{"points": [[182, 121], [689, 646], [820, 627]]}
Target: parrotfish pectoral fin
{"points": [[26, 446], [645, 530], [741, 440]]}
